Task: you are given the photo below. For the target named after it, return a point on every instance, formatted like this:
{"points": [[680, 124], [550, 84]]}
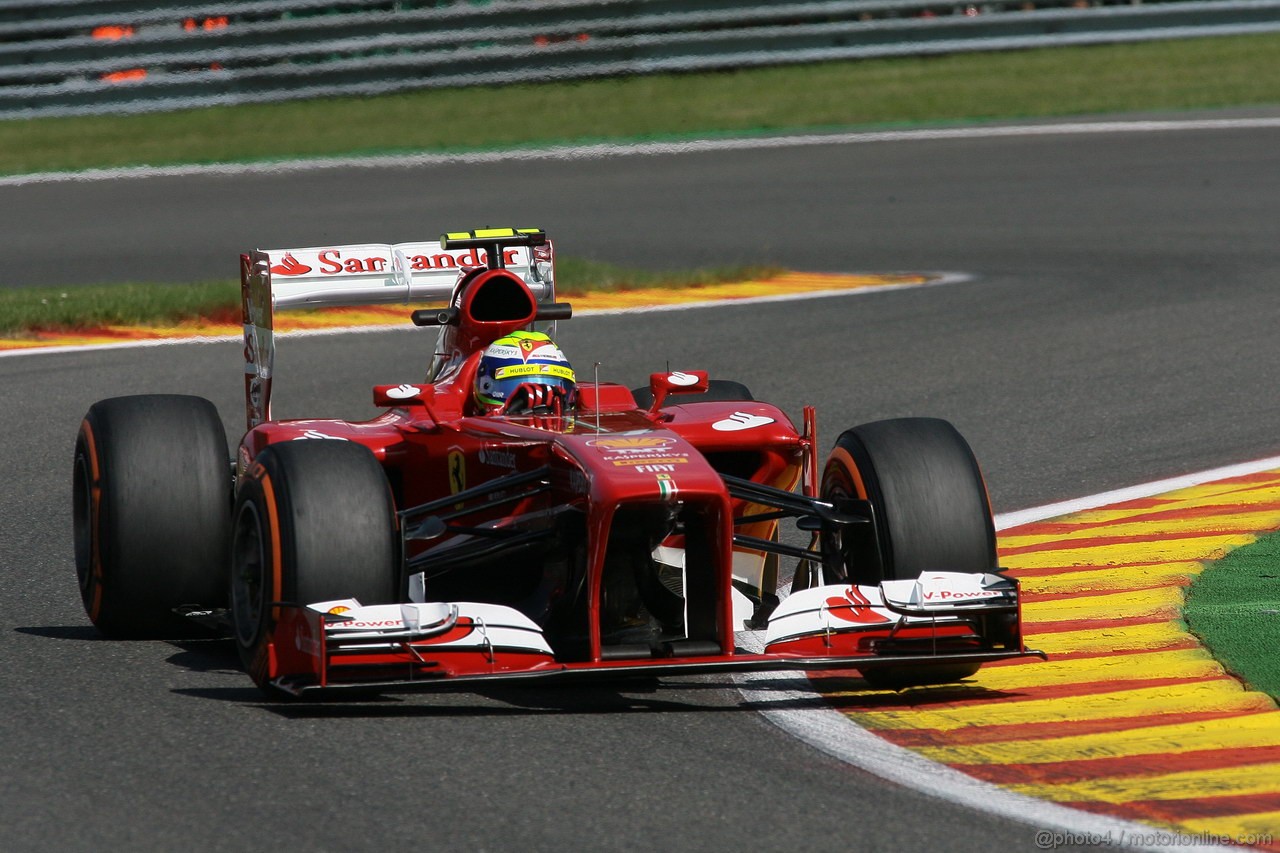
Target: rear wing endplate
{"points": [[369, 274]]}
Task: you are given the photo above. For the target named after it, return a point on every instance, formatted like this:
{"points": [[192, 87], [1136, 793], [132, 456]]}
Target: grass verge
{"points": [[1234, 608], [1170, 75], [27, 311]]}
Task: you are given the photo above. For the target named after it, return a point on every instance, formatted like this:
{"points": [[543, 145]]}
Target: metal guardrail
{"points": [[75, 57]]}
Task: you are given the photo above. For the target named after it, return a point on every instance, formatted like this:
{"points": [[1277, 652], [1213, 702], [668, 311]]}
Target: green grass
{"points": [[25, 311], [1234, 608], [578, 275], [1231, 605], [1173, 75]]}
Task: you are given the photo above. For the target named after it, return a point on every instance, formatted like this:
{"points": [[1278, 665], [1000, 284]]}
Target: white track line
{"points": [[1131, 493], [827, 729], [602, 150], [822, 728], [830, 731]]}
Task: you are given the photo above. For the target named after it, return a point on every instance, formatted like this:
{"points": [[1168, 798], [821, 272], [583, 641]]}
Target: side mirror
{"points": [[391, 396], [676, 382]]}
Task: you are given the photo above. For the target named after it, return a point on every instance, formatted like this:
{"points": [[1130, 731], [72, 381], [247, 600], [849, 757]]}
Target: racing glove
{"points": [[531, 398]]}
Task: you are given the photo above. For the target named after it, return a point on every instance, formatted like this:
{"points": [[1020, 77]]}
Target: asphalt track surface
{"points": [[1119, 328]]}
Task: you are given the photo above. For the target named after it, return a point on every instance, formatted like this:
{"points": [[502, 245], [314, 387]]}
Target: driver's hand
{"points": [[532, 398]]}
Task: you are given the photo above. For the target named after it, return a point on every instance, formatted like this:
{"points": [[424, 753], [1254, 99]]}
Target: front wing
{"points": [[943, 618]]}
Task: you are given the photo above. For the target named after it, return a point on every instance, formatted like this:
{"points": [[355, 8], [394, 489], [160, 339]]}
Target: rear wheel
{"points": [[151, 488], [314, 521], [931, 514]]}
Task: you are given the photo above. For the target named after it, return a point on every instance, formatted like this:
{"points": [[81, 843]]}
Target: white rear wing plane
{"points": [[365, 274]]}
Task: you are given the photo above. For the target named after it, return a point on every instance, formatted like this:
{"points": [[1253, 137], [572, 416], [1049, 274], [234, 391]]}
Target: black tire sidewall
{"points": [[151, 493], [927, 491], [327, 506]]}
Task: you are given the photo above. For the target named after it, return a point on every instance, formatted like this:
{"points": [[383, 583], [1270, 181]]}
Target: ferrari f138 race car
{"points": [[508, 520]]}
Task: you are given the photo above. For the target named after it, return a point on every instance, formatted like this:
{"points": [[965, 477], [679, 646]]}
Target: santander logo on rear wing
{"points": [[369, 274]]}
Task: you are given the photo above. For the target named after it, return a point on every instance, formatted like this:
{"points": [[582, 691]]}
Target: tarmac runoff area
{"points": [[1130, 720]]}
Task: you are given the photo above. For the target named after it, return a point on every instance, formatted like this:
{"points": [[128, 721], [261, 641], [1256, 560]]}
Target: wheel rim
{"points": [[248, 576], [835, 488]]}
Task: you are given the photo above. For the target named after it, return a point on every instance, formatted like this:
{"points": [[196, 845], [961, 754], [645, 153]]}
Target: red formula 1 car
{"points": [[560, 531]]}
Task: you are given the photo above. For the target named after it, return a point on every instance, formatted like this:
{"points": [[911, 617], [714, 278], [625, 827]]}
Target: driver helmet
{"points": [[517, 359]]}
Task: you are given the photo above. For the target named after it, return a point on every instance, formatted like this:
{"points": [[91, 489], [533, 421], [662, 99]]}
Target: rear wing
{"points": [[371, 274]]}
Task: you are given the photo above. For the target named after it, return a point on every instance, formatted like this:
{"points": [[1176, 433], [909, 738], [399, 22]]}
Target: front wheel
{"points": [[314, 521], [928, 496], [931, 514]]}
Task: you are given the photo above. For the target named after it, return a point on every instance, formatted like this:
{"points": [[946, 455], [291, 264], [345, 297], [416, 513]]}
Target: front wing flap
{"points": [[340, 646]]}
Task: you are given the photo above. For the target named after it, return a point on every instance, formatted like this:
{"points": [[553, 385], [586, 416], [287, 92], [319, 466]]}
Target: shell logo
{"points": [[853, 606], [625, 444], [289, 265], [339, 610]]}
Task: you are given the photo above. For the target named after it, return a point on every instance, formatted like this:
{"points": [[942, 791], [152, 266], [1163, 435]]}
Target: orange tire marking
{"points": [[849, 467], [273, 520], [95, 516]]}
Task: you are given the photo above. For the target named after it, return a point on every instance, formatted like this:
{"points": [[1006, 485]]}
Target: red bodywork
{"points": [[594, 492]]}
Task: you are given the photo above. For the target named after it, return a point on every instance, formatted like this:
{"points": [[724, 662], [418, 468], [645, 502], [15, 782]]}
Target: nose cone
{"points": [[638, 465]]}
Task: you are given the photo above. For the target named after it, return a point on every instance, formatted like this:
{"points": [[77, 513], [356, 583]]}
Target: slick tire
{"points": [[931, 513], [151, 493], [314, 520], [927, 493]]}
